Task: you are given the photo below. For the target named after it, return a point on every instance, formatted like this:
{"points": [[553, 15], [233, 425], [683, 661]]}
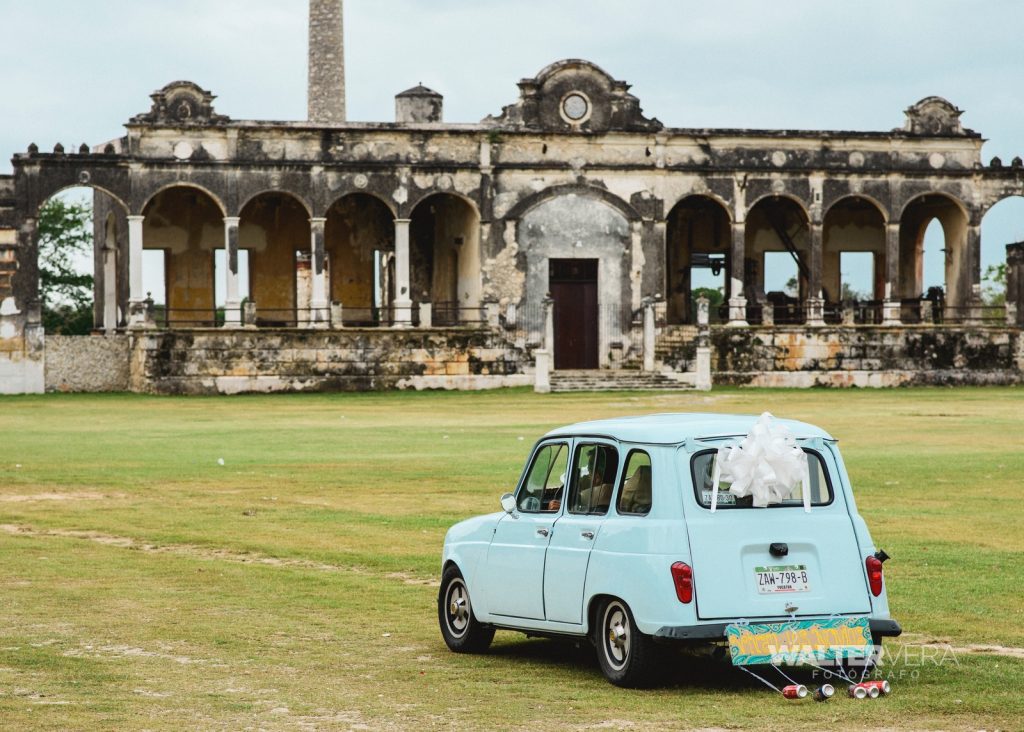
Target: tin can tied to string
{"points": [[794, 691]]}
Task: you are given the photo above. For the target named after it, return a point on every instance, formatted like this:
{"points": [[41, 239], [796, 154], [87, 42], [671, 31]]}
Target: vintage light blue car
{"points": [[610, 536]]}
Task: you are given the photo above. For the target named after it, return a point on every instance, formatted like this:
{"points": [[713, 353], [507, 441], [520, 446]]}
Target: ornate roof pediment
{"points": [[575, 95], [934, 116], [181, 103]]}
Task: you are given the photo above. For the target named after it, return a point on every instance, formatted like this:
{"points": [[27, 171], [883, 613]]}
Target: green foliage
{"points": [[851, 294], [65, 230], [713, 294], [994, 284]]}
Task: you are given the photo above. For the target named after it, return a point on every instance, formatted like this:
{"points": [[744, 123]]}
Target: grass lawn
{"points": [[270, 562]]}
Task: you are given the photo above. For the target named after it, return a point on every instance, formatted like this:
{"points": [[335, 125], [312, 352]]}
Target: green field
{"points": [[145, 585]]}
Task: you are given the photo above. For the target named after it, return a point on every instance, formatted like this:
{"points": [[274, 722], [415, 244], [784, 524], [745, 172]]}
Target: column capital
{"points": [[403, 221], [317, 219], [135, 217], [231, 220]]}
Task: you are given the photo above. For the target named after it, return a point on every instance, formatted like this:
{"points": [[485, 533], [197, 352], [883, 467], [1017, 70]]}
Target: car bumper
{"points": [[880, 628]]}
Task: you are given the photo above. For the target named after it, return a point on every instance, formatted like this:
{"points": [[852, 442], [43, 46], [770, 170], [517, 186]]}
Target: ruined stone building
{"points": [[422, 252]]}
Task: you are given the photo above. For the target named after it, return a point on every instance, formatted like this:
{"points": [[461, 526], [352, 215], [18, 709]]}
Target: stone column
{"points": [[542, 375], [109, 288], [737, 301], [703, 365], [232, 302], [426, 315], [815, 302], [891, 306], [136, 294], [1015, 284], [549, 323], [319, 316], [649, 332], [973, 266], [403, 303]]}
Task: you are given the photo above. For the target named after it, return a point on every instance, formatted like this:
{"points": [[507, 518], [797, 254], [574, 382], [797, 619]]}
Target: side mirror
{"points": [[508, 502]]}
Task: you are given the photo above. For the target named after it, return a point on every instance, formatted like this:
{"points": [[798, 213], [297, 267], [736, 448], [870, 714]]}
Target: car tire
{"points": [[461, 631], [627, 657]]}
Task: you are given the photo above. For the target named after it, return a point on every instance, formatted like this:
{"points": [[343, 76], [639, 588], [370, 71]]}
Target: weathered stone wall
{"points": [[87, 363], [220, 362], [867, 356]]}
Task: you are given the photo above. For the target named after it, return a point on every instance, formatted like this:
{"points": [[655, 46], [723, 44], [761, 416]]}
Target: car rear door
{"points": [[776, 561]]}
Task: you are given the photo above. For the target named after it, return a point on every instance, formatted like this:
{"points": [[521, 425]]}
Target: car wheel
{"points": [[627, 657], [462, 632]]}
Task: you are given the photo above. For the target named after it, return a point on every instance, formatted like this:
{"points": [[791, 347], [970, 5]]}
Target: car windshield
{"points": [[703, 471]]}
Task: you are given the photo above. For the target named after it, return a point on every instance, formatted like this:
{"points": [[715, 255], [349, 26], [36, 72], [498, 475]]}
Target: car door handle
{"points": [[542, 532], [587, 534]]}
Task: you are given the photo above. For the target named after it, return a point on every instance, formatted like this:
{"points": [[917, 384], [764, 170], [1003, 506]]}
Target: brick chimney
{"points": [[326, 93]]}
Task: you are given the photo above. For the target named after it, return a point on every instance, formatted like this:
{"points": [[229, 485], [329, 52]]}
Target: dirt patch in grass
{"points": [[72, 496], [210, 553]]}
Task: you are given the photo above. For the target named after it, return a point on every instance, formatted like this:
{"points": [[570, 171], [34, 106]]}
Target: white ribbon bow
{"points": [[767, 465]]}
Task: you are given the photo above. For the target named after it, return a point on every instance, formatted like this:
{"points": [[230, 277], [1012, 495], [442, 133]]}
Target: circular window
{"points": [[575, 107]]}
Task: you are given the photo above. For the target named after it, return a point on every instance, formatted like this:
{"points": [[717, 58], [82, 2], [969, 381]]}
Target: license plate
{"points": [[782, 579]]}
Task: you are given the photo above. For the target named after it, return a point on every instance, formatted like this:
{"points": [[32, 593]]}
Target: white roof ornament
{"points": [[767, 465]]}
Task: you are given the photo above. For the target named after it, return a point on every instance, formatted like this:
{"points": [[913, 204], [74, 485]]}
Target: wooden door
{"points": [[573, 287]]}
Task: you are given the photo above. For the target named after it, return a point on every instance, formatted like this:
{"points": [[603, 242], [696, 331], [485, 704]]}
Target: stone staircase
{"points": [[622, 380]]}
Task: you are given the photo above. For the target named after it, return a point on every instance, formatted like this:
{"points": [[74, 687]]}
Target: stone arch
{"points": [[538, 198], [778, 223], [274, 229], [1002, 231], [697, 236], [444, 256], [413, 204], [954, 217], [187, 224], [97, 189], [106, 214], [383, 200], [559, 230], [882, 208], [186, 184], [801, 203], [853, 224], [359, 240], [278, 192]]}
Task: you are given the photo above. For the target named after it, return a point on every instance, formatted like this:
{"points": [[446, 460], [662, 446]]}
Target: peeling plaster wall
{"points": [[578, 226]]}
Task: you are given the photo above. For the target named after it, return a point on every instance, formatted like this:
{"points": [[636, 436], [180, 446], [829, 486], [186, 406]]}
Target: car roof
{"points": [[671, 429]]}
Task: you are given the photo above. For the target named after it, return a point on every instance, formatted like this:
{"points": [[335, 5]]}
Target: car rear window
{"points": [[702, 466]]}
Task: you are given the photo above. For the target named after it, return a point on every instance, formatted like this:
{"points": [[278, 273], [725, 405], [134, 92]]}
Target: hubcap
{"points": [[458, 607], [617, 631]]}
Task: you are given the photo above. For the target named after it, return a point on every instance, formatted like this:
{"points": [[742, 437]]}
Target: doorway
{"points": [[573, 287]]}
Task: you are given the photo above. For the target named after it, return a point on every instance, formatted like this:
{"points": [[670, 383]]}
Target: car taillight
{"points": [[874, 567], [682, 578]]}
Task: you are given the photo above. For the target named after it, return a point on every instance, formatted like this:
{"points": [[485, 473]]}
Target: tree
{"points": [[849, 293], [994, 292], [65, 230]]}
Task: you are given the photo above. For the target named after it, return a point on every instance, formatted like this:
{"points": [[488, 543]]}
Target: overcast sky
{"points": [[75, 70]]}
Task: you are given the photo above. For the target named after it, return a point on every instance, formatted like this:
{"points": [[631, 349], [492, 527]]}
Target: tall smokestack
{"points": [[326, 93]]}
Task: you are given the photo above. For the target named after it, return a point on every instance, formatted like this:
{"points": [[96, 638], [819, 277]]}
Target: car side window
{"points": [[635, 495], [542, 491], [593, 479]]}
